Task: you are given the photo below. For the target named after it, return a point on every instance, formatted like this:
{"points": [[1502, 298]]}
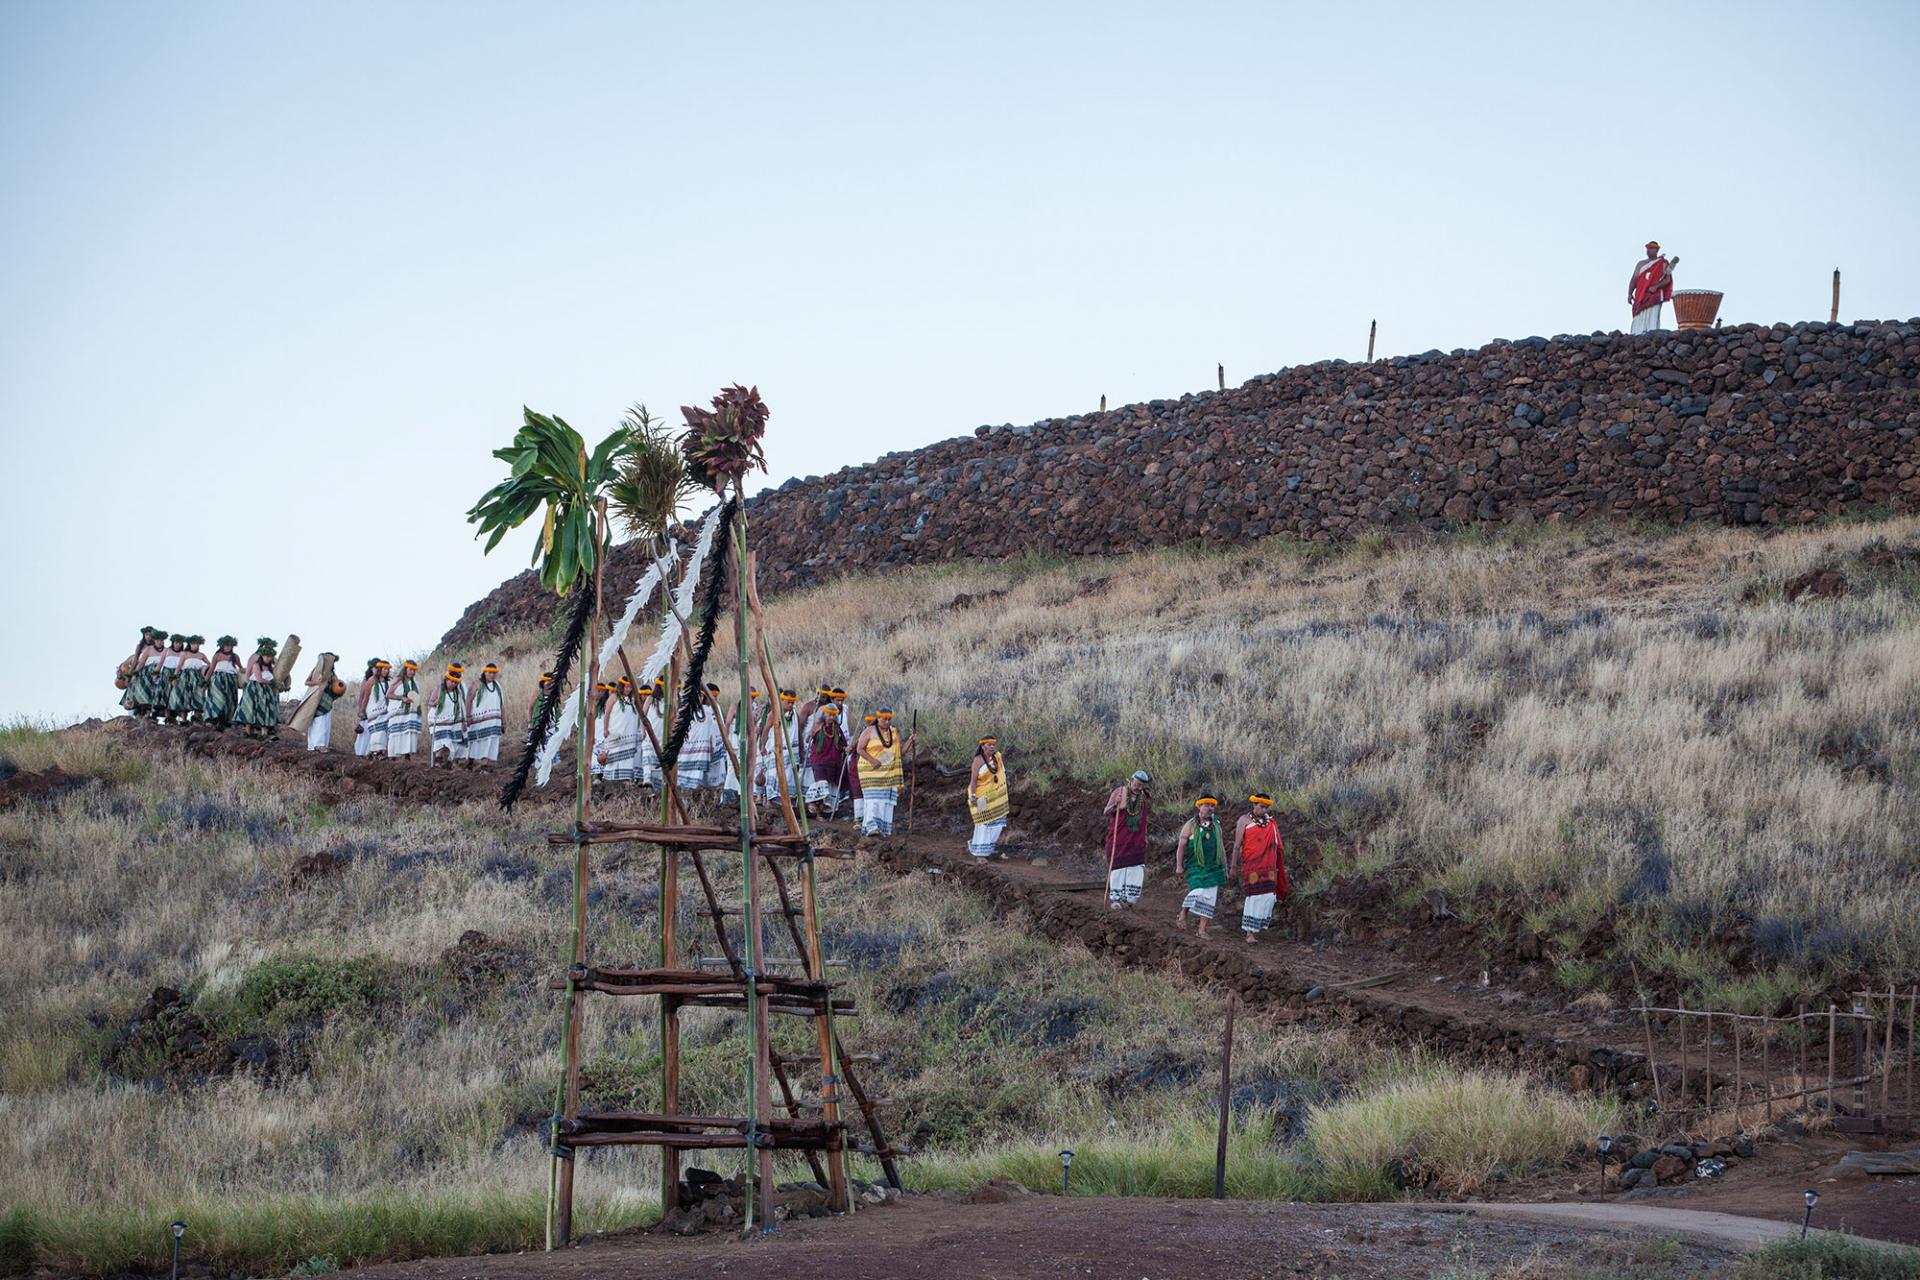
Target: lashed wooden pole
{"points": [[759, 1070], [1226, 1086], [582, 809]]}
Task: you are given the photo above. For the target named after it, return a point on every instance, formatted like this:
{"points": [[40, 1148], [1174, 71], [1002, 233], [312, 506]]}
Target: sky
{"points": [[278, 277]]}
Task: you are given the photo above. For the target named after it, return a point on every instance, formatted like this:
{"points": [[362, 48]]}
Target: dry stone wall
{"points": [[1751, 424]]}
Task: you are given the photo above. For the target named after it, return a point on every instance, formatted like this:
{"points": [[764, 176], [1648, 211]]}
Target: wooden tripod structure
{"points": [[745, 975]]}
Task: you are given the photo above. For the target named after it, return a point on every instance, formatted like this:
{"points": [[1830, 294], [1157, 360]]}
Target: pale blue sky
{"points": [[278, 277]]}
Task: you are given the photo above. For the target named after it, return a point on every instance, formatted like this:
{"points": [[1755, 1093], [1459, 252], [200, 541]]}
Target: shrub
{"points": [[301, 987], [1446, 1129]]}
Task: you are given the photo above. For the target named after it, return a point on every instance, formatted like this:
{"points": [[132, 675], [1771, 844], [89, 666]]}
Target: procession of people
{"points": [[805, 749]]}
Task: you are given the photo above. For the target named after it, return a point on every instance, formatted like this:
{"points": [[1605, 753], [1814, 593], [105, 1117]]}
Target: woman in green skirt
{"points": [[222, 699], [259, 704], [142, 671], [188, 695]]}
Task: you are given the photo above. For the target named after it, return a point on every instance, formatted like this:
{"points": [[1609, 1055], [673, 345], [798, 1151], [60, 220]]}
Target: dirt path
{"points": [[933, 1237]]}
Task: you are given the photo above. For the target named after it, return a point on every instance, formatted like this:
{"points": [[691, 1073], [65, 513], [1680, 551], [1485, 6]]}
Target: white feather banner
{"points": [[670, 635]]}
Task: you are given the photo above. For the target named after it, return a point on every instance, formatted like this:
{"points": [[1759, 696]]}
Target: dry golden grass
{"points": [[403, 1117], [1579, 718]]}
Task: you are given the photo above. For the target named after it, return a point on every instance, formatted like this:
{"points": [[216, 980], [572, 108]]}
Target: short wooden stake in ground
{"points": [[1226, 1103], [1833, 315], [1372, 325]]}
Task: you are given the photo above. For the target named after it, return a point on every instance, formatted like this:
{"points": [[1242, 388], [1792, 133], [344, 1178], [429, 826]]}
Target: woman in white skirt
{"points": [[621, 725], [780, 743], [370, 734], [448, 721], [403, 711], [486, 717]]}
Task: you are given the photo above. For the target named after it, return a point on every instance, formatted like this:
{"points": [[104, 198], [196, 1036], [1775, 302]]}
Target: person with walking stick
{"points": [[1128, 809]]}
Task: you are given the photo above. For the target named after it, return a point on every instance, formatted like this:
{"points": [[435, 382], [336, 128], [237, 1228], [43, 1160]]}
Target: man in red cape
{"points": [[1260, 855], [1651, 285]]}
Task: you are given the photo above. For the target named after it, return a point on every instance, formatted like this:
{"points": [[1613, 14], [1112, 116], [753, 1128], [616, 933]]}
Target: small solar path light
{"points": [[179, 1229], [1605, 1143], [1066, 1173], [1813, 1198]]}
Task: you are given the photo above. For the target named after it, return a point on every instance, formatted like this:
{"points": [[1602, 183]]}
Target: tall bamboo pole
{"points": [[669, 915], [759, 1088], [582, 806]]}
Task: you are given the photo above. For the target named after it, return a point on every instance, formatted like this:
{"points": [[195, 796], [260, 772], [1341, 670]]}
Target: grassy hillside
{"points": [[355, 1044], [1685, 734]]}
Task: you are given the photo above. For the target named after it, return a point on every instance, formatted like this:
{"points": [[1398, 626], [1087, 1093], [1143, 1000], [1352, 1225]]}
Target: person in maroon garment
{"points": [[1128, 809]]}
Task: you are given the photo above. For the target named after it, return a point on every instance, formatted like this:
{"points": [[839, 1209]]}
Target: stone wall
{"points": [[1750, 424]]}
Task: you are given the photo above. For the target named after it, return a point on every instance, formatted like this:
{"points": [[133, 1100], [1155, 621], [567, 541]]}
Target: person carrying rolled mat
{"points": [[1128, 810], [880, 759], [313, 718], [987, 800], [1259, 856], [403, 711], [1199, 853]]}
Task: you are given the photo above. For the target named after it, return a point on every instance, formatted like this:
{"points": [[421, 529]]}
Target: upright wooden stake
{"points": [[1680, 1021], [1766, 1063], [1833, 1048], [1220, 371], [1862, 1042], [1886, 1054], [1372, 326], [1646, 1025], [913, 767], [1833, 313], [1226, 1095], [1709, 1067], [1103, 402]]}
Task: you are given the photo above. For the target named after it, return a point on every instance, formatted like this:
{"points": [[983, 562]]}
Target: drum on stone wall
{"points": [[1696, 308]]}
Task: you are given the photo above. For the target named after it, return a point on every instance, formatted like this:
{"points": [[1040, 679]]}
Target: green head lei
{"points": [[227, 642]]}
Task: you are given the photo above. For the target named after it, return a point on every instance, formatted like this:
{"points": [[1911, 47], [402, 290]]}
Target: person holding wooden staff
{"points": [[486, 717], [1259, 855], [826, 760], [880, 758], [1128, 810], [1199, 853], [987, 798], [370, 731]]}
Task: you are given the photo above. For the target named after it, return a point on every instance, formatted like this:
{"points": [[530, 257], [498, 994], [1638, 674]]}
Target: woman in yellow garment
{"points": [[879, 755], [987, 798]]}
